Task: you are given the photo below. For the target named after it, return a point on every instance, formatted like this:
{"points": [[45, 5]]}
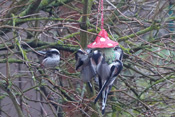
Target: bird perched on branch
{"points": [[51, 58]]}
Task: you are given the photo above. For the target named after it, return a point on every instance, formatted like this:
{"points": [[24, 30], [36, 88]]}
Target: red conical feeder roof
{"points": [[103, 41]]}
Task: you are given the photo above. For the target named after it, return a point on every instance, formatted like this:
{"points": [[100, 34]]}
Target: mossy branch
{"points": [[152, 27], [11, 61], [83, 26], [4, 86], [32, 8], [155, 83], [24, 20]]}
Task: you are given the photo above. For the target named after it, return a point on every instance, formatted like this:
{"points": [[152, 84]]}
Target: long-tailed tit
{"points": [[83, 64], [118, 53], [51, 58], [114, 69], [98, 64]]}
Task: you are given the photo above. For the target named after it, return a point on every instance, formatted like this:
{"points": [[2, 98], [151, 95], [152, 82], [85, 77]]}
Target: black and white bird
{"points": [[83, 64], [92, 63], [97, 62], [109, 74], [88, 63], [51, 58], [81, 58], [118, 53], [115, 69]]}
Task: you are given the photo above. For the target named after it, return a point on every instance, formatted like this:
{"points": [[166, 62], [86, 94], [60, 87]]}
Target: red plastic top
{"points": [[103, 41]]}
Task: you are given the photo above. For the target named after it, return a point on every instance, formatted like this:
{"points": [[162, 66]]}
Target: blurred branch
{"points": [[41, 45], [32, 8], [62, 90], [17, 6], [83, 26], [152, 27], [146, 106], [11, 60], [5, 88], [155, 83], [24, 20], [129, 66], [53, 3]]}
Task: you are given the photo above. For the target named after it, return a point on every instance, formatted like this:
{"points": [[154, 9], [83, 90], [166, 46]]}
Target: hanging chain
{"points": [[100, 11]]}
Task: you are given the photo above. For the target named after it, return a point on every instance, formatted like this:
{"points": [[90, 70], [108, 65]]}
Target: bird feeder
{"points": [[103, 41], [105, 45]]}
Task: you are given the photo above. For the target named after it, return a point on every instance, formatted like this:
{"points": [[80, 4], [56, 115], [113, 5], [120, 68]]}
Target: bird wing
{"points": [[87, 72], [115, 69], [41, 52]]}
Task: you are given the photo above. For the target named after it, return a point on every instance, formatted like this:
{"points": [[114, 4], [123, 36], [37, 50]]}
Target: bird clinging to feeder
{"points": [[114, 69], [103, 51], [84, 65], [104, 60], [108, 66]]}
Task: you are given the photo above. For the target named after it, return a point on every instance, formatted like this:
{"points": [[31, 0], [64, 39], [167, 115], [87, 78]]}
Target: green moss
{"points": [[45, 2]]}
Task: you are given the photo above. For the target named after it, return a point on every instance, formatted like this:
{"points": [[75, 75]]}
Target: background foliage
{"points": [[144, 29]]}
